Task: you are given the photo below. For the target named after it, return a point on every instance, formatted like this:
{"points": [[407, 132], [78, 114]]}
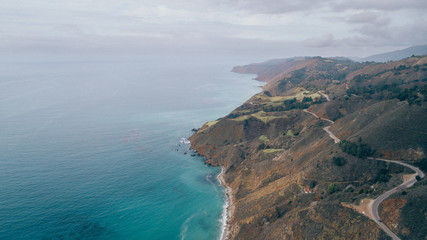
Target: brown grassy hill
{"points": [[289, 178], [267, 70]]}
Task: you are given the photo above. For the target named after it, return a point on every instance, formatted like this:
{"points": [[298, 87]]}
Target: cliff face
{"points": [[289, 178]]}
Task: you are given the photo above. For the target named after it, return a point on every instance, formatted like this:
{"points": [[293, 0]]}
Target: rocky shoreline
{"points": [[228, 206]]}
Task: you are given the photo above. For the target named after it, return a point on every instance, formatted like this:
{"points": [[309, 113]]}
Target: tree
{"points": [[307, 99], [339, 161], [360, 150], [332, 188], [422, 164], [313, 184]]}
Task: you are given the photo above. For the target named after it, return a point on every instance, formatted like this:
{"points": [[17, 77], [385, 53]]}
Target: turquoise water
{"points": [[91, 150]]}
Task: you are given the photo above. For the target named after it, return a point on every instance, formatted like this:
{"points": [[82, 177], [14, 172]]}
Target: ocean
{"points": [[93, 149]]}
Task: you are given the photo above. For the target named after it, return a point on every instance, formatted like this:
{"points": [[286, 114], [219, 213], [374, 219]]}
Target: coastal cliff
{"points": [[290, 180]]}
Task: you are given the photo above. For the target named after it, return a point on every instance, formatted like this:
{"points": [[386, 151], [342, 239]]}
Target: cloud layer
{"points": [[255, 28]]}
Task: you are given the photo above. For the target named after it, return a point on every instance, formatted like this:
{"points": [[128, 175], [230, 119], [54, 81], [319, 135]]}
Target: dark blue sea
{"points": [[93, 150]]}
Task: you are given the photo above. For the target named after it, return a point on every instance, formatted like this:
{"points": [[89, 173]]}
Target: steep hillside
{"points": [[290, 179]]}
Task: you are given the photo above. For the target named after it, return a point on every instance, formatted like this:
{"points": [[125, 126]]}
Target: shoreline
{"points": [[228, 208]]}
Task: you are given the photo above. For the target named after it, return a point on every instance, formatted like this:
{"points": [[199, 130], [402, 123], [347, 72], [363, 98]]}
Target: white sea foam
{"points": [[224, 219], [224, 215], [184, 226], [184, 141]]}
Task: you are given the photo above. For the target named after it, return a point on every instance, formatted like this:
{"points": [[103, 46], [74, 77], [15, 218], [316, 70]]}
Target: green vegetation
{"points": [[263, 139], [413, 214], [356, 149], [383, 175], [265, 117], [240, 118], [415, 95], [260, 115], [296, 77], [422, 164], [337, 116], [211, 123], [332, 188], [312, 184], [273, 150], [289, 133], [339, 161], [293, 103]]}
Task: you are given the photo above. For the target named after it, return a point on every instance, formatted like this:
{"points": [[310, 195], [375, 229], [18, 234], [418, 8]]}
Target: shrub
{"points": [[422, 164], [383, 175], [307, 99], [339, 161], [313, 184], [356, 149], [245, 123], [332, 188], [263, 139]]}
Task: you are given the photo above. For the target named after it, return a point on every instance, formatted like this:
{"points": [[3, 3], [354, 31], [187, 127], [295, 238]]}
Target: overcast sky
{"points": [[253, 29]]}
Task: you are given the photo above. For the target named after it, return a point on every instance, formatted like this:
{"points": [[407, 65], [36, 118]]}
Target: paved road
{"points": [[326, 96], [387, 194], [382, 197], [315, 115], [415, 169], [337, 140]]}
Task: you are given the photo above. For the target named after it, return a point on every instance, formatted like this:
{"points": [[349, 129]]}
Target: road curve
{"points": [[326, 129], [325, 95], [337, 140], [387, 194], [415, 169], [382, 197]]}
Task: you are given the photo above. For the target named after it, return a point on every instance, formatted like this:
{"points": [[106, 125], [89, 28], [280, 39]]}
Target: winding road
{"points": [[387, 194], [376, 203]]}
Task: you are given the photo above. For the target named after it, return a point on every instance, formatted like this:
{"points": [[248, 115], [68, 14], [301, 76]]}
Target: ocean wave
{"points": [[184, 141], [184, 226]]}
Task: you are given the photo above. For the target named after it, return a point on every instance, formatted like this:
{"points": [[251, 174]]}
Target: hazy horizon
{"points": [[241, 31]]}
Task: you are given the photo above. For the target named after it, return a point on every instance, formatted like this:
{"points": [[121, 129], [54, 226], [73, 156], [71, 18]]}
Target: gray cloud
{"points": [[386, 5], [326, 40], [238, 28], [363, 17], [285, 6], [274, 6]]}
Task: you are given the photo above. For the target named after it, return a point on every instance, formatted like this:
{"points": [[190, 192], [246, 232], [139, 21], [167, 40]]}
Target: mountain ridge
{"points": [[417, 50]]}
